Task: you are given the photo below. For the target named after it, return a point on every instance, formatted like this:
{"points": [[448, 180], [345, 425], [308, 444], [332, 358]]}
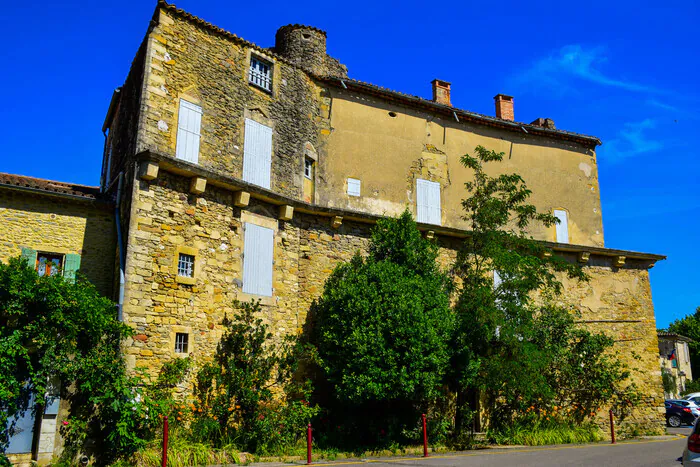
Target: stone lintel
{"points": [[286, 212], [241, 198], [584, 256], [198, 185], [148, 170], [336, 221], [619, 261]]}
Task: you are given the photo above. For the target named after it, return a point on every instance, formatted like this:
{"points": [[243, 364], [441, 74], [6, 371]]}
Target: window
{"points": [[562, 226], [354, 187], [257, 153], [185, 265], [260, 73], [48, 264], [182, 342], [189, 121], [428, 202], [257, 260], [309, 168]]}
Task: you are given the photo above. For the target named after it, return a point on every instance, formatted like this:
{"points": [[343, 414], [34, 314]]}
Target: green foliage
{"points": [[692, 386], [54, 329], [382, 329], [235, 394], [543, 433], [689, 326], [669, 382], [515, 344]]}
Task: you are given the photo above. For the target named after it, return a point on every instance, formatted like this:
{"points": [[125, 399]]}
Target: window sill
{"points": [[186, 280], [260, 88]]}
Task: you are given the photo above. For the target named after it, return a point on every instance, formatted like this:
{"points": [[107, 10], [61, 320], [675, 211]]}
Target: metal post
{"points": [[425, 437], [164, 463], [308, 444], [612, 427]]}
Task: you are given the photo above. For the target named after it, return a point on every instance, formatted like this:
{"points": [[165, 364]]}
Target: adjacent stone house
{"points": [[674, 358], [242, 172], [58, 228]]}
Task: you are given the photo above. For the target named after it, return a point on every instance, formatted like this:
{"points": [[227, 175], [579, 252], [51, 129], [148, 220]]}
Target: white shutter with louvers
{"points": [[428, 202], [257, 153], [354, 187], [257, 260], [562, 226], [189, 123]]}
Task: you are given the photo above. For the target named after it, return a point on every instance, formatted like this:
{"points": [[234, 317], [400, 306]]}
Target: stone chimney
{"points": [[504, 107], [441, 92]]}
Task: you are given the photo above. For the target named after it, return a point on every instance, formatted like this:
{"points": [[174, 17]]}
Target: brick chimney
{"points": [[504, 107], [441, 91]]}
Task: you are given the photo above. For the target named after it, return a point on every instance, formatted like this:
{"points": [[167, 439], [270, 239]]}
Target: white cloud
{"points": [[632, 140]]}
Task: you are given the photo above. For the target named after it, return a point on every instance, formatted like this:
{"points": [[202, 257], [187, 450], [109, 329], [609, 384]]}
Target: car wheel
{"points": [[674, 421]]}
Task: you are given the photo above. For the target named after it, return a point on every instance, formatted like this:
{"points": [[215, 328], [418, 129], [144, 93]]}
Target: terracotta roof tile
{"points": [[51, 186]]}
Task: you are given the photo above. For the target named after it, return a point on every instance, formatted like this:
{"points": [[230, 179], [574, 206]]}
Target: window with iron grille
{"points": [[182, 341], [260, 73], [185, 265]]}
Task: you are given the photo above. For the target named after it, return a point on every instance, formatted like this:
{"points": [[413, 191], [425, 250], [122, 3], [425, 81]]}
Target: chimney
{"points": [[441, 92], [504, 107]]}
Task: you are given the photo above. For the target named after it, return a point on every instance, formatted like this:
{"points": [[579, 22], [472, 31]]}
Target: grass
{"points": [[545, 434], [182, 453]]}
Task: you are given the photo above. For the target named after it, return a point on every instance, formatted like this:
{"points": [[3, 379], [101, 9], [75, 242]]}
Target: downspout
{"points": [[120, 246]]}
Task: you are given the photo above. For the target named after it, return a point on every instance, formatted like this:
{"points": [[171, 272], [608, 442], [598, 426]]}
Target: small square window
{"points": [[308, 168], [260, 73], [185, 265], [48, 264], [354, 187], [182, 342]]}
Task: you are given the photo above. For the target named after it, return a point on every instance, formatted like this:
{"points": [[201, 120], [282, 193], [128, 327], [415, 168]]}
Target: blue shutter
{"points": [[21, 438], [29, 256], [189, 124], [428, 202], [71, 266], [257, 153], [562, 226], [258, 250]]}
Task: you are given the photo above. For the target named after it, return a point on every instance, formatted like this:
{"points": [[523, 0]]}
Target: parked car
{"points": [[692, 395], [691, 453], [695, 399], [677, 415], [687, 403]]}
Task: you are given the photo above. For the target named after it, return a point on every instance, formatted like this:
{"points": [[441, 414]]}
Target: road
{"points": [[644, 453]]}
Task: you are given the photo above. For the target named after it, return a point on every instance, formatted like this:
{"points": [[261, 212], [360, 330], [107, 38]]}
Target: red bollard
{"points": [[164, 463], [308, 444], [612, 427], [425, 437]]}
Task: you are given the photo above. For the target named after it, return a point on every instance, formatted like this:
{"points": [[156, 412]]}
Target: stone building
{"points": [[57, 228], [241, 172], [674, 358]]}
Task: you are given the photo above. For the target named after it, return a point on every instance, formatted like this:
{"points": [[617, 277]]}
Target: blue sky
{"points": [[624, 71]]}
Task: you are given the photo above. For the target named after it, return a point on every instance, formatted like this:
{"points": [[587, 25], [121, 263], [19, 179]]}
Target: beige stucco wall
{"points": [[388, 153]]}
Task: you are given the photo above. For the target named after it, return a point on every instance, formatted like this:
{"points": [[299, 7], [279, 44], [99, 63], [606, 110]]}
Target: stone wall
{"points": [[52, 224], [307, 248]]}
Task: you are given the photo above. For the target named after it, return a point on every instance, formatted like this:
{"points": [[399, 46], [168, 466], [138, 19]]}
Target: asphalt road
{"points": [[663, 451]]}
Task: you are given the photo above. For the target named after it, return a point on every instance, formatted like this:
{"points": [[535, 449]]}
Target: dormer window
{"points": [[260, 73]]}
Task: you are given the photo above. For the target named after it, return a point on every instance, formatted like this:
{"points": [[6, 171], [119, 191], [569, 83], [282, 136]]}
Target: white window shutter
{"points": [[257, 153], [189, 122], [562, 226], [428, 202], [354, 187], [497, 280], [257, 260]]}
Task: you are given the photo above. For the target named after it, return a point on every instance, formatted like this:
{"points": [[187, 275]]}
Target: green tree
{"points": [[53, 329], [250, 395], [383, 325], [515, 346], [689, 326]]}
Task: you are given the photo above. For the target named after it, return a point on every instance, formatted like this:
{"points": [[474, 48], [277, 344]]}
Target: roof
{"points": [[463, 115], [671, 335], [49, 186], [586, 140]]}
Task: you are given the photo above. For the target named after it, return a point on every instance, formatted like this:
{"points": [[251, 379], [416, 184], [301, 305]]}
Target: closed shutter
{"points": [[257, 153], [189, 123], [428, 202], [29, 256], [257, 260], [562, 226], [354, 187], [71, 266]]}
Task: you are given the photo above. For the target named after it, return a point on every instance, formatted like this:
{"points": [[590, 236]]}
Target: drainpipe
{"points": [[120, 246]]}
